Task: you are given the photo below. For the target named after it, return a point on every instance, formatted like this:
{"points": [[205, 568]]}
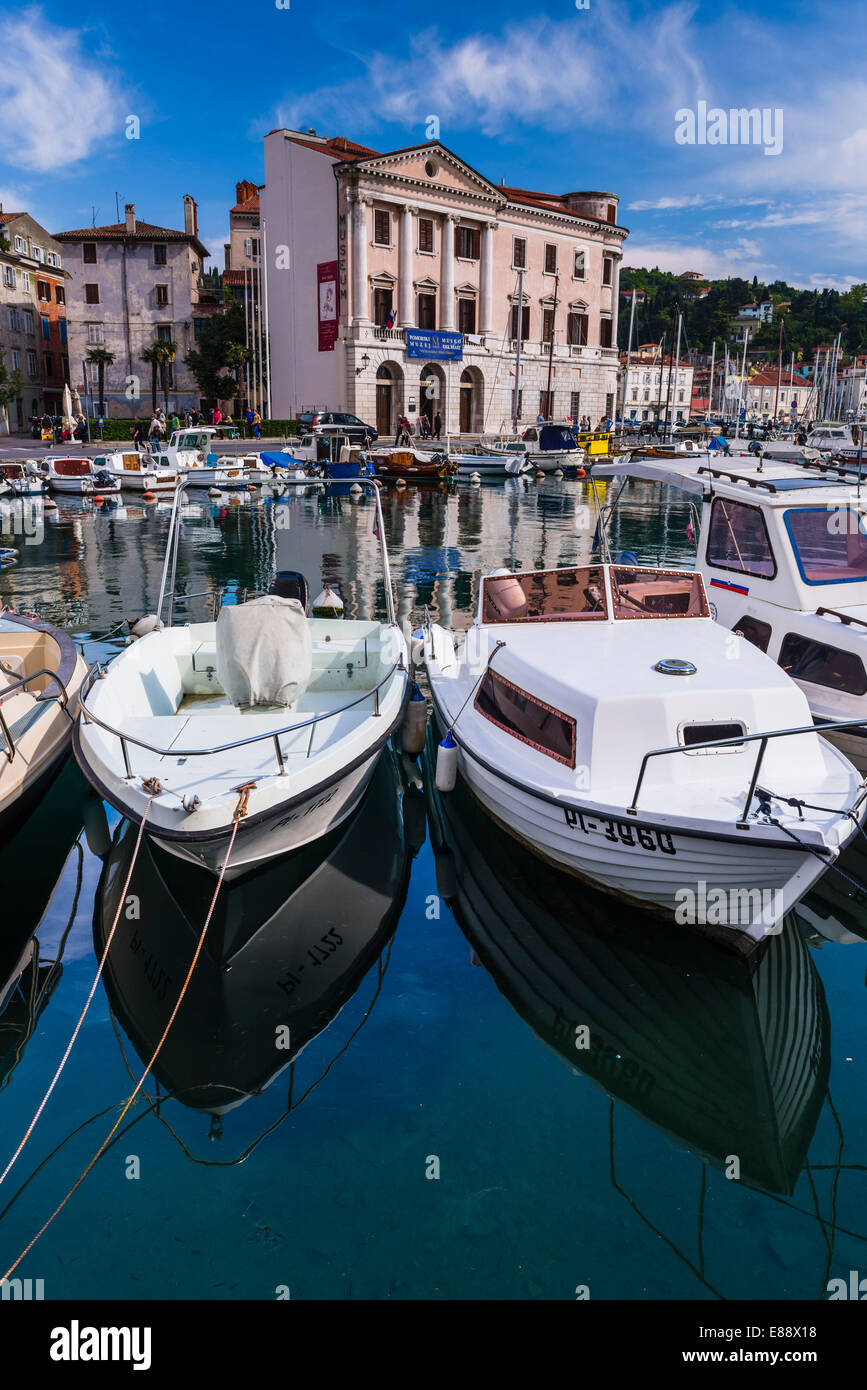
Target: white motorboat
{"points": [[547, 448], [286, 469], [64, 473], [783, 552], [603, 719], [137, 471], [493, 464], [265, 715], [41, 674], [22, 479], [190, 453], [838, 439]]}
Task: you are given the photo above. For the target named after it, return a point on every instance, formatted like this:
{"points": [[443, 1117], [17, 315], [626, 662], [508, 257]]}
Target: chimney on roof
{"points": [[311, 131], [191, 215], [129, 214]]}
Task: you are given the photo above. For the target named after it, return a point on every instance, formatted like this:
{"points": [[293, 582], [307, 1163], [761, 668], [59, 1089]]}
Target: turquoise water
{"points": [[431, 1130]]}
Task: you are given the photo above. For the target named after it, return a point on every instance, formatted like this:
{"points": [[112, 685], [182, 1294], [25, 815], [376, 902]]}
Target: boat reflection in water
{"points": [[724, 1055], [33, 859], [286, 949]]}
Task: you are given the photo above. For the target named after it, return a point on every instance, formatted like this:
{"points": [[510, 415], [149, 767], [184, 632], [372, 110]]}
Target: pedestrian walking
{"points": [[437, 426], [257, 424], [249, 418]]}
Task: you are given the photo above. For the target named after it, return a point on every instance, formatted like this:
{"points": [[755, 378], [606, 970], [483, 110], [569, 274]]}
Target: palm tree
{"points": [[166, 351], [102, 358], [152, 357]]}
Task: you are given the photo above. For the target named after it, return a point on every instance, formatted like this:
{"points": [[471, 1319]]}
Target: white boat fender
{"points": [[558, 473], [411, 772], [328, 604], [416, 650], [356, 490], [447, 765], [446, 874], [414, 723], [142, 626], [214, 492], [96, 828], [475, 477]]}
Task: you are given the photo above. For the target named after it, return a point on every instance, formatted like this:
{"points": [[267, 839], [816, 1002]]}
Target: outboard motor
{"points": [[103, 478], [291, 584]]}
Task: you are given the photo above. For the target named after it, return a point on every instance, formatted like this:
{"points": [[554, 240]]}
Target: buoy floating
{"points": [[475, 477], [447, 765], [558, 473], [356, 490], [148, 497], [328, 604], [414, 723]]}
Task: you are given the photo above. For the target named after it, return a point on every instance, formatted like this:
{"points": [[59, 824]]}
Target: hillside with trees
{"points": [[814, 317]]}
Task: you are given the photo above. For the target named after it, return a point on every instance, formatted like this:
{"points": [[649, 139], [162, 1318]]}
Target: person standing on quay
{"points": [[257, 424], [138, 435], [437, 426]]}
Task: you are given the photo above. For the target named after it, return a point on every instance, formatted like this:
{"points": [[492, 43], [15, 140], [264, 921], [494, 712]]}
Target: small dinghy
{"points": [[41, 674], [411, 464], [77, 475], [602, 718], [265, 715], [23, 479]]}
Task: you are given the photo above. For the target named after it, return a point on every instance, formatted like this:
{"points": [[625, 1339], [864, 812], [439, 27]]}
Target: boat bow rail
{"points": [[762, 739], [20, 683]]}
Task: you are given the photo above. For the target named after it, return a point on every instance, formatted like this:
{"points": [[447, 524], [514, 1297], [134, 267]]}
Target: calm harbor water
{"points": [[433, 1032]]}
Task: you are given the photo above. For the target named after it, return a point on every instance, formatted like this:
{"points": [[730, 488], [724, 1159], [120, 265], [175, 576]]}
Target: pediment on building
{"points": [[430, 167]]}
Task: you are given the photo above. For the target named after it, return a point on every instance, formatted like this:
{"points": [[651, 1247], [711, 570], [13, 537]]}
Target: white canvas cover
{"points": [[264, 651]]}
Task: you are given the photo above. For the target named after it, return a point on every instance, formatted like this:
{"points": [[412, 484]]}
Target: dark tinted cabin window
{"points": [[738, 540], [820, 664], [754, 631], [526, 718], [709, 733]]}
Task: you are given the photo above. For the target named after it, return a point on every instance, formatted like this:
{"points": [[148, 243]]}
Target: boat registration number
{"points": [[621, 832]]}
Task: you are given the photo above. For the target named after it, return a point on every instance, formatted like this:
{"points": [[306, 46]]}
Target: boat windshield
{"points": [[562, 595], [652, 593], [830, 544]]}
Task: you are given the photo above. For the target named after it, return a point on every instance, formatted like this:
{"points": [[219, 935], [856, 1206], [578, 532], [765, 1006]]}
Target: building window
{"points": [[21, 245], [381, 227], [647, 397], [607, 270], [467, 315], [52, 258], [546, 404], [88, 251], [63, 330], [31, 363], [574, 404], [49, 367], [91, 294], [43, 290], [38, 254], [547, 325], [94, 334], [15, 320], [46, 327], [605, 332], [251, 250], [550, 259], [27, 281], [609, 404], [426, 235], [520, 401], [635, 394], [60, 294], [159, 254], [162, 296], [9, 277], [525, 322], [519, 253], [382, 299], [65, 361], [577, 330], [16, 359], [612, 214], [427, 311], [198, 325], [580, 265], [680, 395], [28, 320], [468, 243], [164, 333]]}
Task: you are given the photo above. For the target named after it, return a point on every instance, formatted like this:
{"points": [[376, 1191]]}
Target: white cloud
{"points": [[744, 258], [673, 203], [57, 103]]}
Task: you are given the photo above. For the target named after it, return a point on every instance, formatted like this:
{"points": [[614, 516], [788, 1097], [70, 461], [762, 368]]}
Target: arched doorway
{"points": [[383, 399], [432, 386], [470, 400]]}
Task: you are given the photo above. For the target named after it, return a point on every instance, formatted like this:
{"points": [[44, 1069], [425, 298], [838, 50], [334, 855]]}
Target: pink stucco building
{"points": [[361, 247]]}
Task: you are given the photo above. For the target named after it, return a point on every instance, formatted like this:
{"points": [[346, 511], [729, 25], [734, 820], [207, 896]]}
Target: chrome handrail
{"points": [[736, 742], [19, 684], [89, 717]]}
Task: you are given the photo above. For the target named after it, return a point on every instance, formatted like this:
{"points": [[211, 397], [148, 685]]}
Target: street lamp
{"points": [[365, 363]]}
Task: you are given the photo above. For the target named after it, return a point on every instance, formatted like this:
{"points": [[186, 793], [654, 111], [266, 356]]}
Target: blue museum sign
{"points": [[435, 346]]}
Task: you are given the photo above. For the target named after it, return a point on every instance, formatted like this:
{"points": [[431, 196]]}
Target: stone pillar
{"points": [[486, 297], [360, 288], [406, 317], [447, 277], [615, 297]]}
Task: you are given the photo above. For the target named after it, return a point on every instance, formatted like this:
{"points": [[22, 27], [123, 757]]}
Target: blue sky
{"points": [[551, 97]]}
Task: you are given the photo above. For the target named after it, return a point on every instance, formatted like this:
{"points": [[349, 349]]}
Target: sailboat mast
{"points": [[520, 320], [709, 412], [551, 345]]}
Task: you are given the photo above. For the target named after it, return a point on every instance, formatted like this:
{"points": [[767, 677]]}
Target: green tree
{"points": [[221, 353], [152, 357], [166, 352], [101, 358]]}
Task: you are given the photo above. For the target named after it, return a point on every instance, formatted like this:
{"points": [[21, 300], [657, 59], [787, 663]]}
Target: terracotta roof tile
{"points": [[144, 231]]}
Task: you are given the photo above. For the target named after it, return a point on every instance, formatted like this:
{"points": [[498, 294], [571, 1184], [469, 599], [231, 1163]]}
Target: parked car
{"points": [[350, 425]]}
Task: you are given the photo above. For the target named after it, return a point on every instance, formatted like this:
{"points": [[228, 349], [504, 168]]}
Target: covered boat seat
{"points": [[264, 651]]}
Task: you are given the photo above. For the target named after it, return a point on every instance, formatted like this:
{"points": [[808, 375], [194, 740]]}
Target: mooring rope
{"points": [[87, 1003], [240, 811]]}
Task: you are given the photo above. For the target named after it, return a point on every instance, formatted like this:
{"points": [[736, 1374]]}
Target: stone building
{"points": [[132, 283], [33, 326], [400, 282], [653, 387]]}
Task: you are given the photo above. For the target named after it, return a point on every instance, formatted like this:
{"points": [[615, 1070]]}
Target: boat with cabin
{"points": [[137, 471], [549, 448], [80, 476], [599, 717], [411, 464], [21, 479], [190, 452]]}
